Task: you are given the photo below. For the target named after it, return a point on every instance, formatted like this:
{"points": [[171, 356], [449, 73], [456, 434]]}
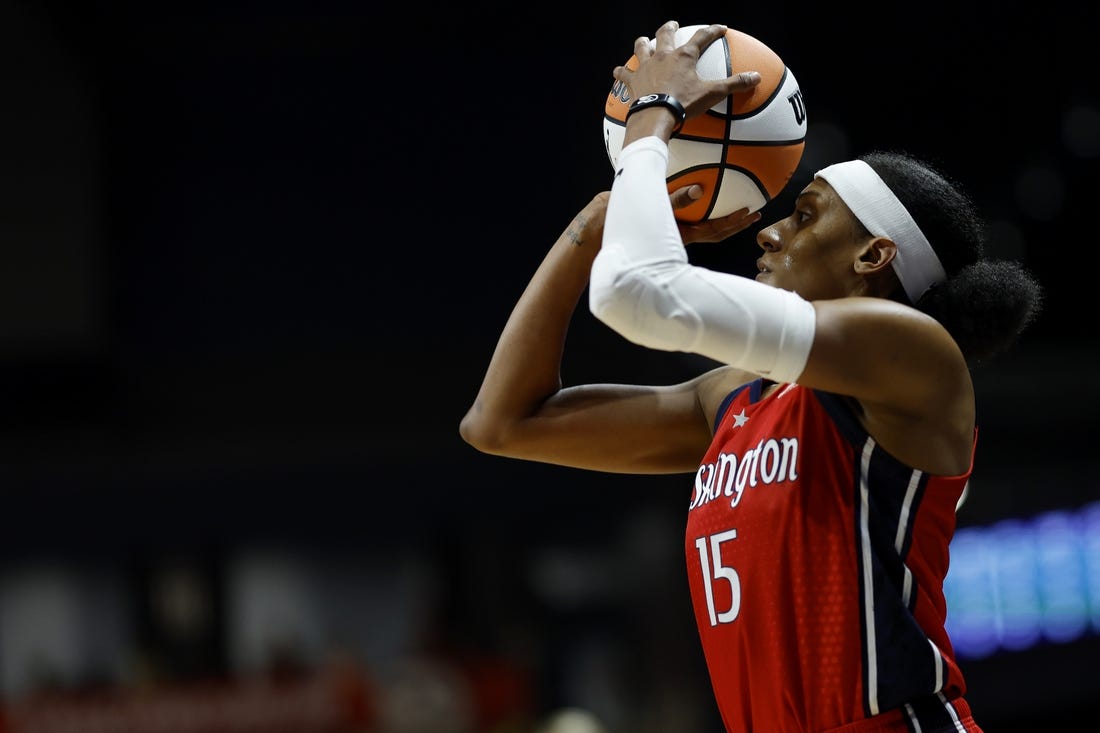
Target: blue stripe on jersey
{"points": [[899, 661]]}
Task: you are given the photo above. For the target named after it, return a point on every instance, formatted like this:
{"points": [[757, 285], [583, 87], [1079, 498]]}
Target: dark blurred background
{"points": [[255, 260]]}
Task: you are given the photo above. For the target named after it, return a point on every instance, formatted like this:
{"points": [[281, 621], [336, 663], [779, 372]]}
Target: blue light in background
{"points": [[1091, 530], [1022, 582], [1060, 548], [1018, 606]]}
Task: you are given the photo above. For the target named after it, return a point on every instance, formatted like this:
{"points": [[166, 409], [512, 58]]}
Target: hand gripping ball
{"points": [[744, 149]]}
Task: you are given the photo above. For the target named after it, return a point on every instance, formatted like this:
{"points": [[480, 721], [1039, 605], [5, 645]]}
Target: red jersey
{"points": [[816, 562]]}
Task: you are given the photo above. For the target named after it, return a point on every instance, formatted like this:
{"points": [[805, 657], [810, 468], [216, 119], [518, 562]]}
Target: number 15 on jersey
{"points": [[713, 570]]}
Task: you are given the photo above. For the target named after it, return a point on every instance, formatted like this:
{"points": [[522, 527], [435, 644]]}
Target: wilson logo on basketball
{"points": [[799, 107], [618, 91]]}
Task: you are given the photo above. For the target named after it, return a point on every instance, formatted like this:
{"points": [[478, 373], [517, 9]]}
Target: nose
{"points": [[768, 238]]}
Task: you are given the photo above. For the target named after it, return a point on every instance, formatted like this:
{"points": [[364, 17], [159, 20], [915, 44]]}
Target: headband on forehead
{"points": [[875, 205]]}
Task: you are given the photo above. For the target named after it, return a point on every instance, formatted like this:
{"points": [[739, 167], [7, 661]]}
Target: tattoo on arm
{"points": [[574, 231]]}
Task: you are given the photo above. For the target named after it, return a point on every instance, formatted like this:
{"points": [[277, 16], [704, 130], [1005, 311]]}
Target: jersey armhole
{"points": [[842, 416], [756, 386]]}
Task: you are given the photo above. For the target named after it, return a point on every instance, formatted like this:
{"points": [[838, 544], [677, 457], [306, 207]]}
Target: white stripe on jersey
{"points": [[868, 585], [899, 539]]}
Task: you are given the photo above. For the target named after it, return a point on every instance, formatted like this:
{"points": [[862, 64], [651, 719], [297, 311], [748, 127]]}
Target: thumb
{"points": [[686, 195]]}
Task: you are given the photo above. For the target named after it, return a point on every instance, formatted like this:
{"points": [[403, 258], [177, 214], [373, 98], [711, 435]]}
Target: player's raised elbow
{"points": [[642, 306], [481, 433], [613, 298]]}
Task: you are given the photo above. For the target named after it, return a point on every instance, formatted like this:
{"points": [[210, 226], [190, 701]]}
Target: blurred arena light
{"points": [[572, 720], [1023, 582]]}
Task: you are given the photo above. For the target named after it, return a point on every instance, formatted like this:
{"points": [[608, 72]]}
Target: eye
{"points": [[802, 215]]}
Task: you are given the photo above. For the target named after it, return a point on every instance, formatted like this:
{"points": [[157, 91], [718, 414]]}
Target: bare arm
{"points": [[522, 410], [907, 374]]}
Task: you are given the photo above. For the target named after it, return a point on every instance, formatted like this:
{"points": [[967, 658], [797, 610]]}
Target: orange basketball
{"points": [[744, 149]]}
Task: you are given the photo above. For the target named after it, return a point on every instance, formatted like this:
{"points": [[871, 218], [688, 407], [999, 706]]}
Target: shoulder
{"points": [[856, 312], [885, 353], [907, 374], [853, 336]]}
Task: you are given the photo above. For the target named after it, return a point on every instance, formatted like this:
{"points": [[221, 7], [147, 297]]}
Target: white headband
{"points": [[875, 205]]}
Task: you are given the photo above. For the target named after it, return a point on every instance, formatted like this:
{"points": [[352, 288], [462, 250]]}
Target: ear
{"points": [[877, 254]]}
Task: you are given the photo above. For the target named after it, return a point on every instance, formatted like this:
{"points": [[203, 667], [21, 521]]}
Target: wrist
{"points": [[667, 102]]}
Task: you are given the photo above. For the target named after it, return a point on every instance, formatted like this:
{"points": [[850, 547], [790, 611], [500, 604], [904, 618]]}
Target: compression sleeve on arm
{"points": [[643, 286]]}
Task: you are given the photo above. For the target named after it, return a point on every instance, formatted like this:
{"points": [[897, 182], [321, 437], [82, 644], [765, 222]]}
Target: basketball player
{"points": [[830, 447]]}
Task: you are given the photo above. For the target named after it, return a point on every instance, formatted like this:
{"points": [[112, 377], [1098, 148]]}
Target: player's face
{"points": [[814, 250]]}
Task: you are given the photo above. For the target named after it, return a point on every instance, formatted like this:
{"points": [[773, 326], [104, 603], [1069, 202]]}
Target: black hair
{"points": [[984, 304]]}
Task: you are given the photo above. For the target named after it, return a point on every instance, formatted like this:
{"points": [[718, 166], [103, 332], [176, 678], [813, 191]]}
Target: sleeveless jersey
{"points": [[816, 563]]}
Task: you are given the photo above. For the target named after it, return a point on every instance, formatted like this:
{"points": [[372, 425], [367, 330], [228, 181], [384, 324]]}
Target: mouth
{"points": [[761, 268]]}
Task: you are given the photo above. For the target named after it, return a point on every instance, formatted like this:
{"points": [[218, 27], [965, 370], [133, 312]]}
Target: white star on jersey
{"points": [[741, 419]]}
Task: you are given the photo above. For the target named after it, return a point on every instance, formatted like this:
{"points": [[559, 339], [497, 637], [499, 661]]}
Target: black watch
{"points": [[660, 100]]}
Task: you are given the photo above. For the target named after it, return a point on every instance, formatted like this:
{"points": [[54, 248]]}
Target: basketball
{"points": [[744, 149]]}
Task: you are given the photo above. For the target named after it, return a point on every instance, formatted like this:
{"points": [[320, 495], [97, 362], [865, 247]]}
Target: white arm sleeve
{"points": [[643, 287]]}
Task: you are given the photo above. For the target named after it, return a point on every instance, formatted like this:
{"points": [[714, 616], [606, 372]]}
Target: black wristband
{"points": [[660, 100]]}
